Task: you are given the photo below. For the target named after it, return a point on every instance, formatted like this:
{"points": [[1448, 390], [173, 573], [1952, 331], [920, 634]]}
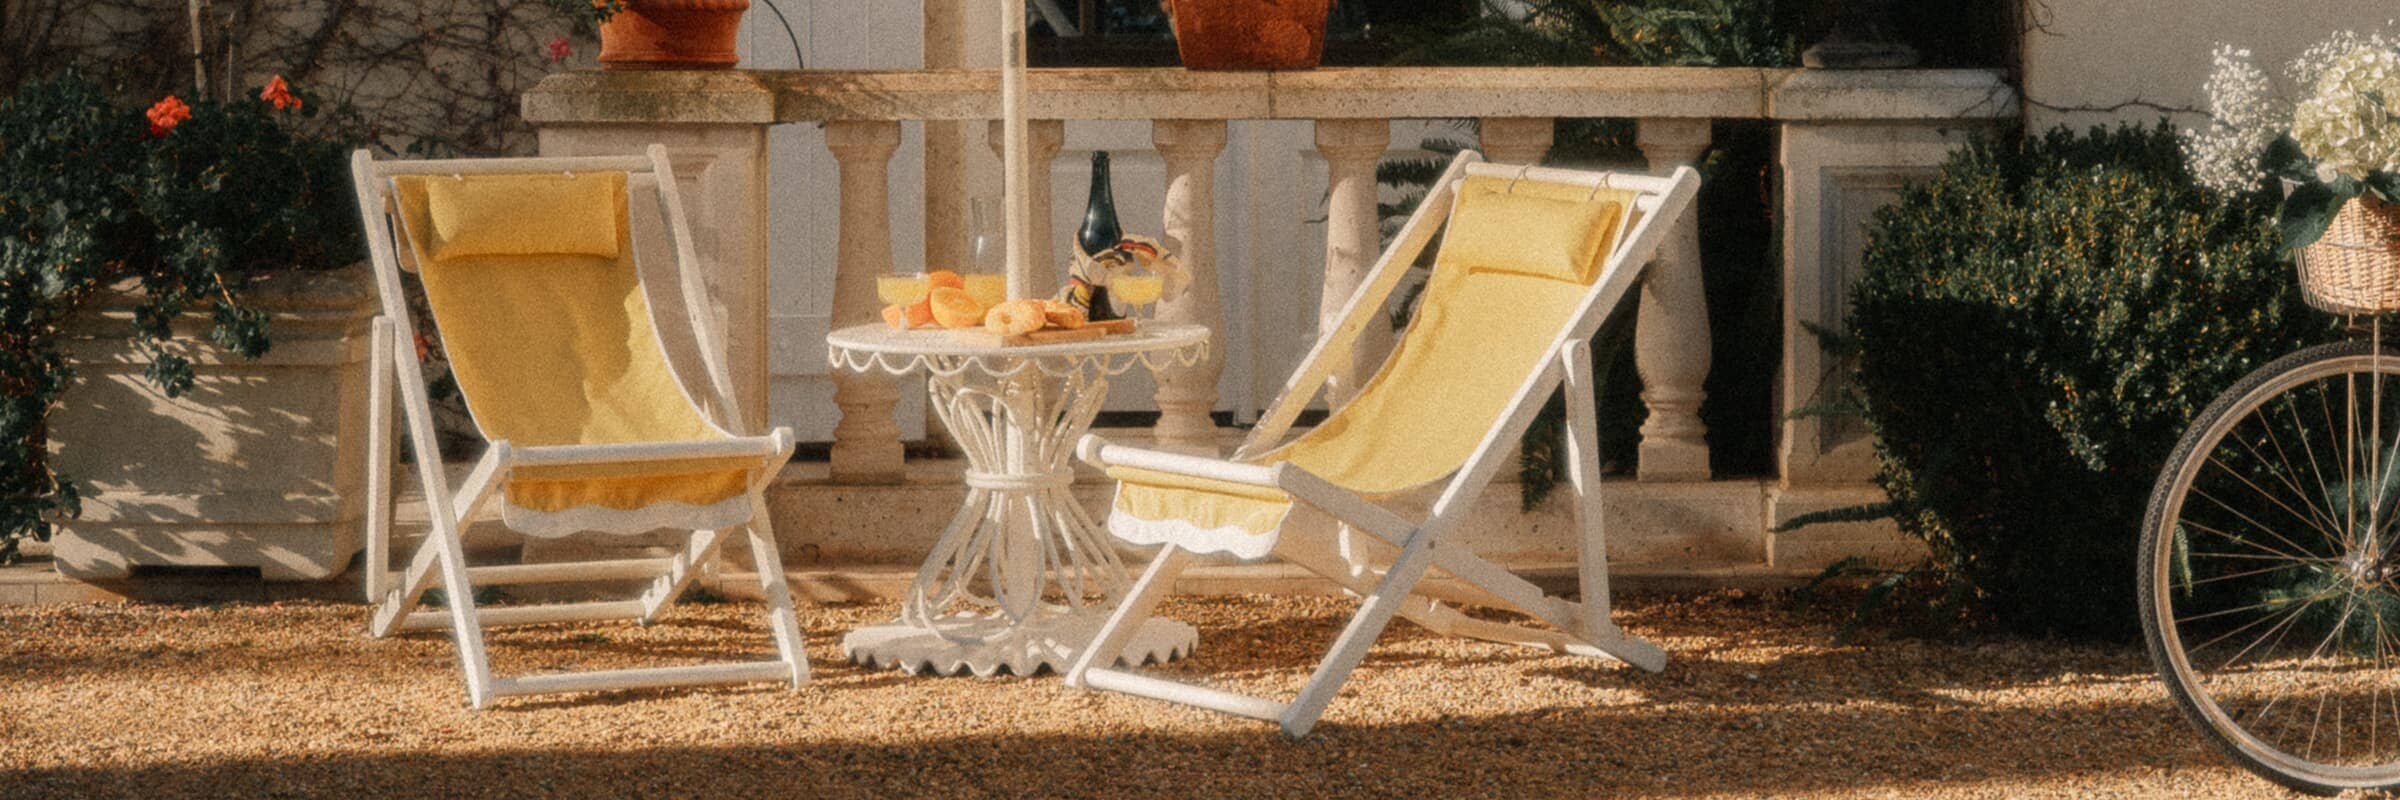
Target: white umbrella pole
{"points": [[1015, 172]]}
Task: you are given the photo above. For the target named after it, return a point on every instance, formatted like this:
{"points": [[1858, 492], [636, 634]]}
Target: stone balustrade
{"points": [[1849, 140]]}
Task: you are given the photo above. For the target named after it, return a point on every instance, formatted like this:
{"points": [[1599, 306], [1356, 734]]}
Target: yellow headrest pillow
{"points": [[1533, 230], [516, 215]]}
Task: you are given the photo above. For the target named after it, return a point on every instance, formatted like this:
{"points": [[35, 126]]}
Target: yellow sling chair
{"points": [[1532, 263], [547, 319]]}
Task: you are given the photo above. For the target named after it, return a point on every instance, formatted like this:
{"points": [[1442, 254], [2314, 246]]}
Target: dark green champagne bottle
{"points": [[1100, 230]]}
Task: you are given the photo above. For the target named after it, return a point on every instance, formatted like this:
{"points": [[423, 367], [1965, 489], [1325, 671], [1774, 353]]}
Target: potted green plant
{"points": [[144, 257], [1249, 34]]}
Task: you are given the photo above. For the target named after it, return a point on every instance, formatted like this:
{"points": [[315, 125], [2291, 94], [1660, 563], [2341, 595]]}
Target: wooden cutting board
{"points": [[985, 338], [1090, 331]]}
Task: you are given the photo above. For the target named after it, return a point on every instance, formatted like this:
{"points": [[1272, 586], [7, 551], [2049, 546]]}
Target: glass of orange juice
{"points": [[1136, 289], [900, 288], [990, 289]]}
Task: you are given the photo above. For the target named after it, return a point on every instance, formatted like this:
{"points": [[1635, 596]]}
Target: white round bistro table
{"points": [[1022, 578]]}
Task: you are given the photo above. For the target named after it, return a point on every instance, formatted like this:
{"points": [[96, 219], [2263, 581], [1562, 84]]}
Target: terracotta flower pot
{"points": [[673, 34], [1249, 34]]}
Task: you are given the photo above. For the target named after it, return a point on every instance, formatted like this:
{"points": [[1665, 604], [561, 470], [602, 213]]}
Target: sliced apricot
{"points": [[920, 313], [954, 308], [941, 278], [896, 317], [1062, 314]]}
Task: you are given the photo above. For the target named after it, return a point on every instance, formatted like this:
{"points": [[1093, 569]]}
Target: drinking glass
{"points": [[988, 288], [987, 280], [1136, 289], [900, 288], [988, 245]]}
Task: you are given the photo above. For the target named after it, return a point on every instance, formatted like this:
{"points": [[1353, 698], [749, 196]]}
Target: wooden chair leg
{"points": [[1374, 614], [1583, 478], [459, 595], [685, 566], [1156, 583], [778, 595], [376, 565]]}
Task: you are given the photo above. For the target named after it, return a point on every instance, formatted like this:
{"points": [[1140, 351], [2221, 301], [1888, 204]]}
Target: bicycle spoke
{"points": [[2283, 458], [2272, 611], [2271, 497]]}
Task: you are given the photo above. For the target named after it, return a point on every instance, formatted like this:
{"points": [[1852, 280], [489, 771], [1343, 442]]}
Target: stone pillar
{"points": [[1043, 139], [1851, 142], [1516, 140], [946, 143], [1670, 339], [721, 170], [1187, 395], [866, 442], [1353, 238]]}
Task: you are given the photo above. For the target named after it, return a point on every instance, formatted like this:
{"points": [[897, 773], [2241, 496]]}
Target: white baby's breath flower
{"points": [[2247, 117]]}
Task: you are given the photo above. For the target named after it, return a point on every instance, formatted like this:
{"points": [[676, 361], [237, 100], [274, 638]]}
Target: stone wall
{"points": [[2090, 62]]}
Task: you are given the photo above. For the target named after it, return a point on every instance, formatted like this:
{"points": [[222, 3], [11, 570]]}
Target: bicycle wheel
{"points": [[2268, 590]]}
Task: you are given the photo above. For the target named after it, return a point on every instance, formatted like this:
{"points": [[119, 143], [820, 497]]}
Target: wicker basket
{"points": [[2355, 267]]}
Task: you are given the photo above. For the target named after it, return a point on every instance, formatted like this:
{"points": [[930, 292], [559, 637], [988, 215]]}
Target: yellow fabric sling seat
{"points": [[532, 282], [1517, 260]]}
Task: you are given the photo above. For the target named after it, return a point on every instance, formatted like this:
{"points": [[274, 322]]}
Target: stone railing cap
{"points": [[757, 97]]}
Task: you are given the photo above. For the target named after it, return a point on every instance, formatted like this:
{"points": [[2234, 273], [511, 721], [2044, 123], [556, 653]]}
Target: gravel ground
{"points": [[293, 700]]}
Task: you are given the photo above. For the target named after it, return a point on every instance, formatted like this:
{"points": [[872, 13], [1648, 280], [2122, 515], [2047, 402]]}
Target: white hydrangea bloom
{"points": [[2347, 124]]}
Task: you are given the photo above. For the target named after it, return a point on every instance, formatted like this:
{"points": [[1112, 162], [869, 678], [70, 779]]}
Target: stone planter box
{"points": [[262, 464]]}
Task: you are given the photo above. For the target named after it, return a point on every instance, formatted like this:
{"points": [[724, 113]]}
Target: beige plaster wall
{"points": [[2097, 61]]}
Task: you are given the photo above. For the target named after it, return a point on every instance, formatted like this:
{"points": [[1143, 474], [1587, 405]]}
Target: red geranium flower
{"points": [[166, 114], [561, 49], [280, 94]]}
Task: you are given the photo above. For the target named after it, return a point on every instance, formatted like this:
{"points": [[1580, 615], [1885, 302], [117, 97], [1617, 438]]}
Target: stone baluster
{"points": [[1353, 239], [866, 442], [1187, 395], [1516, 140], [1671, 338], [1043, 139]]}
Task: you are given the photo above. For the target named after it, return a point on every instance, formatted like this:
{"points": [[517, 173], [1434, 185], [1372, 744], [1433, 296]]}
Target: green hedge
{"points": [[2035, 328]]}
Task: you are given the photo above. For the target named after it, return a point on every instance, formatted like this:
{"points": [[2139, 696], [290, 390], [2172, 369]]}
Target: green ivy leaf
{"points": [[2384, 185], [2283, 159], [2306, 212]]}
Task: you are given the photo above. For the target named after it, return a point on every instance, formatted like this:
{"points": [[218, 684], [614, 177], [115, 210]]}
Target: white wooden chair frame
{"points": [[440, 560], [1583, 628]]}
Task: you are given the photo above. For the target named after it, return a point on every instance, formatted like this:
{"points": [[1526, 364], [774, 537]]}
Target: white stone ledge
{"points": [[745, 97], [1907, 94]]}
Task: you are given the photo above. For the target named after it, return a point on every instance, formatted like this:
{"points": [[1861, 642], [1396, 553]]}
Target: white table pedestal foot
{"points": [[1048, 642], [1023, 577]]}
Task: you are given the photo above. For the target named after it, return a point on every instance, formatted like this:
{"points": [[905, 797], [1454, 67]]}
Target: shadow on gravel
{"points": [[1643, 750]]}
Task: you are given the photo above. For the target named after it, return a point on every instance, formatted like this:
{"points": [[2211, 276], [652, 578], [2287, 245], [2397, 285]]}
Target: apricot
{"points": [[942, 278], [920, 313], [954, 308], [1062, 314], [1015, 317], [896, 317]]}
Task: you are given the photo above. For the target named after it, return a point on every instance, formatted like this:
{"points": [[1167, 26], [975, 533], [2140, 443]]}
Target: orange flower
{"points": [[166, 114], [280, 94]]}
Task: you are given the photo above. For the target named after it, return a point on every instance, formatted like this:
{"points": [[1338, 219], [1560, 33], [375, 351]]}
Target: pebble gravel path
{"points": [[293, 700]]}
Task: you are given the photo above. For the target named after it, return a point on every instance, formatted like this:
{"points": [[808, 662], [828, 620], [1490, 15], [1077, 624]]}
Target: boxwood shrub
{"points": [[2034, 329]]}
